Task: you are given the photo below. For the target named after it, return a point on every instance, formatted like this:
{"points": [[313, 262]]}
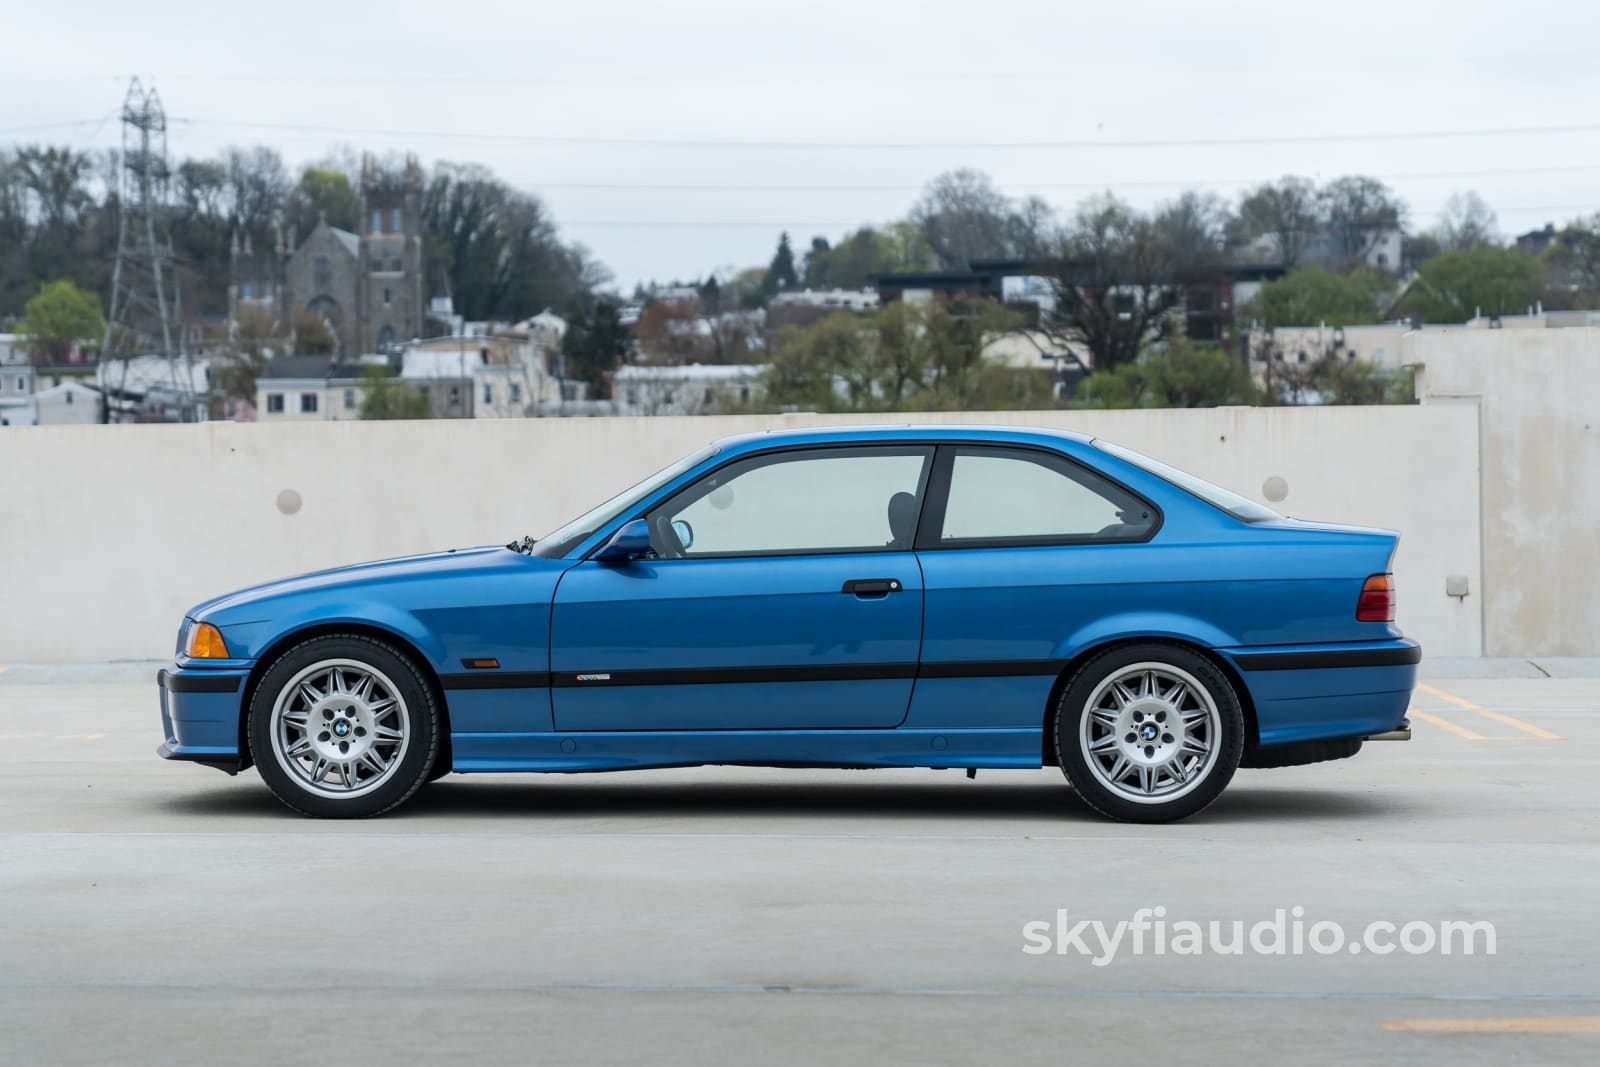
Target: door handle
{"points": [[871, 587]]}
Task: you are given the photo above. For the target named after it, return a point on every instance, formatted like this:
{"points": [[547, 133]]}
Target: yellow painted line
{"points": [[1446, 724], [1516, 724], [1528, 1024]]}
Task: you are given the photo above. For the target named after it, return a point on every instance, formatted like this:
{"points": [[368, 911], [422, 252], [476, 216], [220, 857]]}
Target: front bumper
{"points": [[200, 716]]}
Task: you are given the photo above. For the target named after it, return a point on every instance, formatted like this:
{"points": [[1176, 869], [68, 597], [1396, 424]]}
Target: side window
{"points": [[826, 500], [1000, 495]]}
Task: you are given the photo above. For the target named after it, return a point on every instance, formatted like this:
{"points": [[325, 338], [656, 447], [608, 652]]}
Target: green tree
{"points": [[1310, 296], [1355, 381], [1483, 280], [1178, 376], [863, 253], [781, 275], [902, 357], [323, 193], [595, 342], [387, 397], [60, 317]]}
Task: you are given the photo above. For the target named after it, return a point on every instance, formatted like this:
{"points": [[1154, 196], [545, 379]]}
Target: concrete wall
{"points": [[1537, 395], [108, 534]]}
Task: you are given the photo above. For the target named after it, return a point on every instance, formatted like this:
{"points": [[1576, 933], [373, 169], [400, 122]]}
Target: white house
{"points": [[693, 389], [69, 404]]}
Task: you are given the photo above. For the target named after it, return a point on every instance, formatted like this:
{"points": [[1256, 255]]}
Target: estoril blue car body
{"points": [[949, 597]]}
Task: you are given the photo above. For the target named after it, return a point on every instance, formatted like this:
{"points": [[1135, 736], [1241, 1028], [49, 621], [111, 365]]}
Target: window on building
{"points": [[394, 221], [516, 392], [275, 403], [488, 393], [455, 394], [377, 264], [394, 265], [266, 290], [69, 396], [386, 296], [999, 494], [377, 221], [322, 272], [1383, 259], [246, 291], [349, 399], [22, 384], [308, 403]]}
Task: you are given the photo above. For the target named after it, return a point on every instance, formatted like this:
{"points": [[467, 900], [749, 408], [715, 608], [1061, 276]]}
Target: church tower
{"points": [[389, 297]]}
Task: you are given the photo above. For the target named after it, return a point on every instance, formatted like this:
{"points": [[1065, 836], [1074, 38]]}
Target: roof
{"points": [[423, 365], [908, 431], [351, 242], [688, 372], [297, 367]]}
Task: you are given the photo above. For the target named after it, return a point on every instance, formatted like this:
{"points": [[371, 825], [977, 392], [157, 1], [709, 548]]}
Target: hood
{"points": [[463, 561]]}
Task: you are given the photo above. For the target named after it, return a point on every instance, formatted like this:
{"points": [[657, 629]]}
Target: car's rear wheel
{"points": [[1149, 732], [343, 726]]}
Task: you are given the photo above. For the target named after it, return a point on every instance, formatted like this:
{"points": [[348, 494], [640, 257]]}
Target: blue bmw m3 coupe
{"points": [[938, 596]]}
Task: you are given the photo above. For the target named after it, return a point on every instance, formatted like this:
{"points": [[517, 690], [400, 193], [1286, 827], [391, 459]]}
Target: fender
{"points": [[1144, 624]]}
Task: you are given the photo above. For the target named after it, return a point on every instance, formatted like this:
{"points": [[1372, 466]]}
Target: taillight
{"points": [[1377, 599]]}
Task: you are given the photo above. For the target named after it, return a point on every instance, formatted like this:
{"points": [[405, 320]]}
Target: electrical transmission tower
{"points": [[144, 317]]}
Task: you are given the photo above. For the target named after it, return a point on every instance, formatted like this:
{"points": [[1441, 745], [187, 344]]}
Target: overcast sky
{"points": [[822, 95]]}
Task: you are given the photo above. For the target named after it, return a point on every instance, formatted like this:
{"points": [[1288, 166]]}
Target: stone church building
{"points": [[367, 286]]}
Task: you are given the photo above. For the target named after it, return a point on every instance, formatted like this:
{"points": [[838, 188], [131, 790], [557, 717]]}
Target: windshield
{"points": [[559, 542], [1239, 507]]}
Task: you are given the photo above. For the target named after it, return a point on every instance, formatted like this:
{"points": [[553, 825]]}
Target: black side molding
{"points": [[496, 680], [1389, 656], [198, 683]]}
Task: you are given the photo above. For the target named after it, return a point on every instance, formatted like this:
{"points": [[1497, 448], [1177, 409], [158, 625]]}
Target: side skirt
{"points": [[635, 750]]}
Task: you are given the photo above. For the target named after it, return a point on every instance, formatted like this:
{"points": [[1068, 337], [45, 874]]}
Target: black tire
{"points": [[399, 700], [1192, 780]]}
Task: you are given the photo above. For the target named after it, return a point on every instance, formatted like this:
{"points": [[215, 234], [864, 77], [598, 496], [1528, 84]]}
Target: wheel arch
{"points": [[1047, 746], [311, 632]]}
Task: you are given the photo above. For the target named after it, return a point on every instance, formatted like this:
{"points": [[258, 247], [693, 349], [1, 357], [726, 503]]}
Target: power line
{"points": [[1026, 186], [697, 143], [800, 225]]}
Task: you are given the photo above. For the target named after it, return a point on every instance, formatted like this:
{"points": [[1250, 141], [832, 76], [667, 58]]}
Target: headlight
{"points": [[205, 642]]}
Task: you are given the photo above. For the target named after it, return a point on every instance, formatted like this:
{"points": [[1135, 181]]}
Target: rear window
{"points": [[1239, 507]]}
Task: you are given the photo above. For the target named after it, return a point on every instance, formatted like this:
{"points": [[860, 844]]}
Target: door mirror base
{"points": [[630, 542]]}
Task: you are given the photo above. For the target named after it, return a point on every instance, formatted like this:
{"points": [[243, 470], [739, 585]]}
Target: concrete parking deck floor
{"points": [[152, 912]]}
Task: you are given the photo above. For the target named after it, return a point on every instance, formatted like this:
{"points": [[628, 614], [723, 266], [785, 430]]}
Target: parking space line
{"points": [[1516, 724], [1527, 1024], [1446, 724]]}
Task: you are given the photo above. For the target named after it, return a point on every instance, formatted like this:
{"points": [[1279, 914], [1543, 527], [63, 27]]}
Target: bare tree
{"points": [[1360, 210], [964, 217], [1466, 222], [1288, 210], [1116, 278]]}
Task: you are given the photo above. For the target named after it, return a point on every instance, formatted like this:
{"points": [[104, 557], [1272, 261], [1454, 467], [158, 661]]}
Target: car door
{"points": [[783, 594], [1021, 548]]}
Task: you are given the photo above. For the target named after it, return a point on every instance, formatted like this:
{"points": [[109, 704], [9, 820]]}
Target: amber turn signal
{"points": [[1377, 599], [205, 642]]}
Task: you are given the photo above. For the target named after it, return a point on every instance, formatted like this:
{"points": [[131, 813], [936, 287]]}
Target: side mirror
{"points": [[629, 542]]}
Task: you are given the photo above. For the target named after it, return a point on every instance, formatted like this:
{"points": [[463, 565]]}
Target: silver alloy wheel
{"points": [[340, 727], [1151, 732]]}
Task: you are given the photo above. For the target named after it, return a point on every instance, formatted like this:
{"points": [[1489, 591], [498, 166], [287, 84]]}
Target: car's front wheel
{"points": [[1149, 732], [343, 726]]}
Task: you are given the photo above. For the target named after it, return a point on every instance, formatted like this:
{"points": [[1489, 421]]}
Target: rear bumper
{"points": [[1317, 692], [200, 712]]}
